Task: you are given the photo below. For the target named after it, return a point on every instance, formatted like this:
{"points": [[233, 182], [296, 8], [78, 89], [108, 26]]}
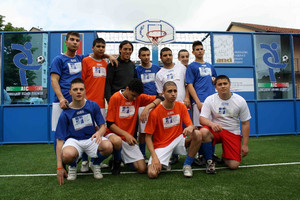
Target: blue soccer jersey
{"points": [[79, 123], [147, 76], [68, 68], [200, 75]]}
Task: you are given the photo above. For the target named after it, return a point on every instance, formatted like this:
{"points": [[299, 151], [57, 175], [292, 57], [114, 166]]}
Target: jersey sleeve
{"points": [[108, 83], [56, 66], [84, 69], [213, 71], [158, 84], [62, 127], [245, 113], [189, 75], [206, 109], [186, 117], [146, 99], [111, 110], [151, 123], [97, 114]]}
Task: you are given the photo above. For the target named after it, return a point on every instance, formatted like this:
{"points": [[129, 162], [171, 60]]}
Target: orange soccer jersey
{"points": [[94, 76], [166, 124], [123, 112]]}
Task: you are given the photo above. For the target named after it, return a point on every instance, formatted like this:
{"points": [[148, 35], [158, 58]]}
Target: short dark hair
{"points": [[169, 83], [221, 77], [164, 49], [196, 43], [143, 49], [77, 80], [98, 40], [182, 50], [75, 33], [125, 42], [136, 85]]}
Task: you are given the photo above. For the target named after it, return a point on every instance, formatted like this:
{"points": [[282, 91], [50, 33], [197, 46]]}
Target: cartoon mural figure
{"points": [[275, 62], [26, 55]]}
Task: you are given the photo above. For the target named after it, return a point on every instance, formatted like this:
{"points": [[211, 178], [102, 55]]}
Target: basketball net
{"points": [[156, 36]]}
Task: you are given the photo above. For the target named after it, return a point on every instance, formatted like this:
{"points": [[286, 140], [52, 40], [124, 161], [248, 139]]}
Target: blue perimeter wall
{"points": [[32, 123]]}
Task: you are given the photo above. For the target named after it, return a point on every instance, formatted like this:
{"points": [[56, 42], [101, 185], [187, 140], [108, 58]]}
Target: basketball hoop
{"points": [[156, 36]]}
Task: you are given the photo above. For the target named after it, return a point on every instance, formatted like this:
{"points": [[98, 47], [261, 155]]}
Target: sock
{"points": [[201, 152], [73, 164], [143, 149], [84, 157], [188, 160], [97, 161], [117, 154], [207, 150], [131, 166]]}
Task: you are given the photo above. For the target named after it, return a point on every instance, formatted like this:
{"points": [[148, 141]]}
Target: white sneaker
{"points": [[103, 165], [72, 174], [84, 166], [187, 171], [97, 171]]}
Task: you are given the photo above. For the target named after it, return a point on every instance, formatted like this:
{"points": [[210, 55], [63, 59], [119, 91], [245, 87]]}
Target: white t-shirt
{"points": [[176, 74], [227, 113]]}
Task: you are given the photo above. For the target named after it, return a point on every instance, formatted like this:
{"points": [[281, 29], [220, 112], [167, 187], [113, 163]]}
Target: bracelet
{"points": [[59, 168], [154, 104]]}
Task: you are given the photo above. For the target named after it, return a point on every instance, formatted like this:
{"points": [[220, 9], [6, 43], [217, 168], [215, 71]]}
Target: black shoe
{"points": [[217, 160], [200, 161], [116, 167], [174, 159]]}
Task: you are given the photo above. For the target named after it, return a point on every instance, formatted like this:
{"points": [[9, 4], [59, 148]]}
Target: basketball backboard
{"points": [[161, 29]]}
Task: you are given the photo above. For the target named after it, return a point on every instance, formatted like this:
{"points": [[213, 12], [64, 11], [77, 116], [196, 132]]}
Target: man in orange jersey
{"points": [[121, 120], [94, 76], [165, 134]]}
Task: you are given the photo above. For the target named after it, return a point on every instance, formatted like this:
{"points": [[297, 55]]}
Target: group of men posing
{"points": [[158, 97]]}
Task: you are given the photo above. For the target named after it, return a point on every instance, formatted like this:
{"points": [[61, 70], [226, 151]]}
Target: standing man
{"points": [[176, 73], [221, 116], [76, 134], [118, 77], [183, 57], [94, 76], [121, 120], [199, 78], [146, 72], [65, 68], [165, 134]]}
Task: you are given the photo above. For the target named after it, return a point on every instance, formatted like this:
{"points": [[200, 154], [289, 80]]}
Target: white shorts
{"points": [[141, 124], [176, 147], [90, 147], [196, 115], [129, 153], [56, 111]]}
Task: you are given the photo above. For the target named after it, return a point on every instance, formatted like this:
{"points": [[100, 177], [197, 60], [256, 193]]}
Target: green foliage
{"points": [[8, 26], [270, 182]]}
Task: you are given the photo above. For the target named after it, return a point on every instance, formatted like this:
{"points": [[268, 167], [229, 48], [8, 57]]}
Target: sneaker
{"points": [[72, 174], [218, 160], [167, 168], [103, 165], [200, 160], [84, 166], [97, 171], [187, 171], [116, 165], [174, 159], [210, 167]]}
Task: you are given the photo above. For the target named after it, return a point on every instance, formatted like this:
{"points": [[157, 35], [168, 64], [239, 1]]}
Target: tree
{"points": [[8, 26]]}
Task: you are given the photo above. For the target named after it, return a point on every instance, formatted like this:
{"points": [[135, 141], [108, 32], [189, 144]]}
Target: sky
{"points": [[184, 15]]}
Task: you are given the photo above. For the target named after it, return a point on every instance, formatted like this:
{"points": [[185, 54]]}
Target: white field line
{"points": [[174, 170]]}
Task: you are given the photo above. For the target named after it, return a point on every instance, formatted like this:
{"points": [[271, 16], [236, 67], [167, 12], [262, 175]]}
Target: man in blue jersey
{"points": [[199, 78], [80, 129], [146, 72]]}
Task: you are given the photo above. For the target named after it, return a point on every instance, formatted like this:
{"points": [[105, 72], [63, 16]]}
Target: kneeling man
{"points": [[80, 129]]}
